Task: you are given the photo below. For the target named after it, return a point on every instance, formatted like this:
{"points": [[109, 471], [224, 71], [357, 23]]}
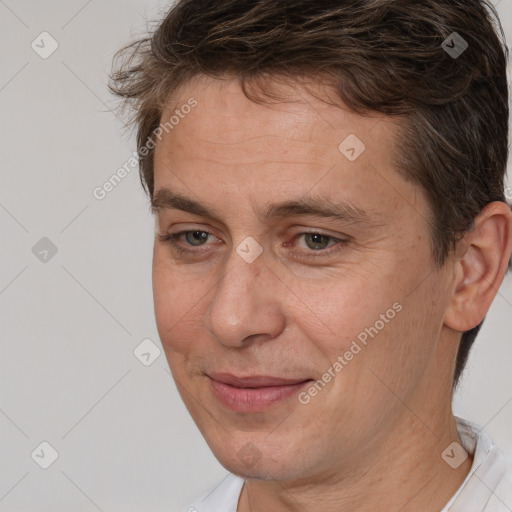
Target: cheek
{"points": [[373, 322], [175, 301], [345, 310]]}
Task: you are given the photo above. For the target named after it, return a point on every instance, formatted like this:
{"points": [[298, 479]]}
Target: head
{"points": [[254, 117]]}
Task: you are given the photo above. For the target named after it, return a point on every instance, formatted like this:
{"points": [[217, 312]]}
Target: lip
{"points": [[253, 393], [253, 381]]}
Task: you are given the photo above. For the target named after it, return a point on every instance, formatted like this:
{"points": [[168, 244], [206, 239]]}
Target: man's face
{"points": [[261, 307]]}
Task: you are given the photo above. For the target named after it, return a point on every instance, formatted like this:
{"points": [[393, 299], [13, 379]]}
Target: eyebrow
{"points": [[317, 206]]}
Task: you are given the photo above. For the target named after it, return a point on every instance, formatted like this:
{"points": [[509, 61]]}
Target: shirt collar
{"points": [[486, 471]]}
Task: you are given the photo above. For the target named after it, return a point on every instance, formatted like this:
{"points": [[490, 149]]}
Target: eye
{"points": [[318, 245], [194, 238], [316, 241]]}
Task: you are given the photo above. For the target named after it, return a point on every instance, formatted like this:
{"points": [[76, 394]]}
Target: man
{"points": [[327, 180]]}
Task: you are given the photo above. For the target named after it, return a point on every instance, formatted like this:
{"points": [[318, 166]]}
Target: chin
{"points": [[261, 461], [263, 471]]}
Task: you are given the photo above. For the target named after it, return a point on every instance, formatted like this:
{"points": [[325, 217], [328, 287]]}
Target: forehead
{"points": [[297, 124], [229, 147]]}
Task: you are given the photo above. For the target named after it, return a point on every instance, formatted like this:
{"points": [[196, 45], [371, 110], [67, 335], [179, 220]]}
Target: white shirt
{"points": [[487, 487]]}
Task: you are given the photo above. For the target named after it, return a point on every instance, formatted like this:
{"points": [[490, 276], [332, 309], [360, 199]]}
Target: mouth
{"points": [[253, 393]]}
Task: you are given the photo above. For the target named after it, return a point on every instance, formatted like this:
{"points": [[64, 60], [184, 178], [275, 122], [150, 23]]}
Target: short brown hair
{"points": [[385, 56]]}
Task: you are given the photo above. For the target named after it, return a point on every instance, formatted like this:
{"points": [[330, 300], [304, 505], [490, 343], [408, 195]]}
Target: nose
{"points": [[246, 304]]}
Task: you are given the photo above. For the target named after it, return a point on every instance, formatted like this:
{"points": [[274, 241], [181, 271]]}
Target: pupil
{"points": [[198, 236], [317, 239]]}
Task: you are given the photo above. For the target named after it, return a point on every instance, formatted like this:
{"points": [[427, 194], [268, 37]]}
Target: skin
{"points": [[372, 439]]}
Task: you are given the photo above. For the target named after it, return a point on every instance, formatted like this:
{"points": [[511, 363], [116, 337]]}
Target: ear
{"points": [[482, 258]]}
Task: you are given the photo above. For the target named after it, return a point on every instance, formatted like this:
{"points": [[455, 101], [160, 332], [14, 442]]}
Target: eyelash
{"points": [[171, 239]]}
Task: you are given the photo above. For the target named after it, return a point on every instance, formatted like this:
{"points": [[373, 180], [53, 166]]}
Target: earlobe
{"points": [[482, 260]]}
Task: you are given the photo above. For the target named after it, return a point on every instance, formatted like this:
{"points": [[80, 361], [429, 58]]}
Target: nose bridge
{"points": [[245, 303]]}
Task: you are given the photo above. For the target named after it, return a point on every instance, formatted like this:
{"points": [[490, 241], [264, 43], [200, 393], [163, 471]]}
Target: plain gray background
{"points": [[69, 325]]}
